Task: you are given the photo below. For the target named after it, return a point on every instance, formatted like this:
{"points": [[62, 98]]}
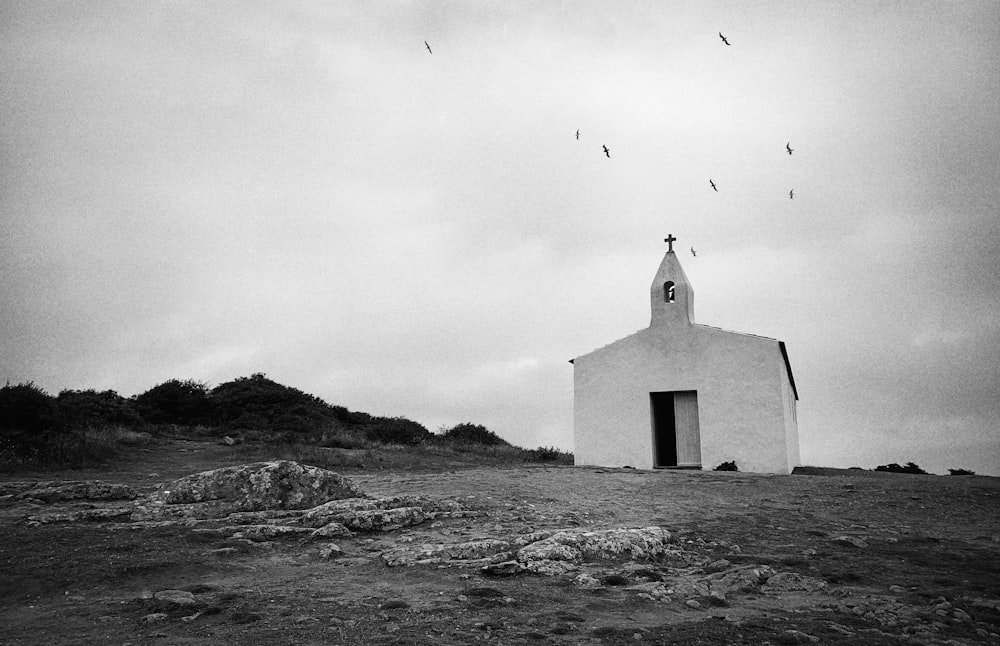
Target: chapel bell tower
{"points": [[671, 296]]}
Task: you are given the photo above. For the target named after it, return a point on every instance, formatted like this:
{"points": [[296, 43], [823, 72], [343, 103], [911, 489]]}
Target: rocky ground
{"points": [[280, 553]]}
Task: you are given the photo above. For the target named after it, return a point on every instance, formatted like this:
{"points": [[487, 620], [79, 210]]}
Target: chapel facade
{"points": [[682, 395]]}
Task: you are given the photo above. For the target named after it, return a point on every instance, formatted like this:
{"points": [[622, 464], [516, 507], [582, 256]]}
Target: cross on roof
{"points": [[670, 240]]}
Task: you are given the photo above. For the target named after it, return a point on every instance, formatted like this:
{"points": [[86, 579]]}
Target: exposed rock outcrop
{"points": [[281, 484], [51, 492], [575, 545]]}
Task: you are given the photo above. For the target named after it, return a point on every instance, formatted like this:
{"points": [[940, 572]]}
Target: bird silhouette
{"points": [[578, 134], [427, 46], [788, 147], [606, 151], [791, 194], [693, 252], [724, 39], [713, 186]]}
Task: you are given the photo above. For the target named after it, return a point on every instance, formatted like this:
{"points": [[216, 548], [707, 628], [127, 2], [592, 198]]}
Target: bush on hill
{"points": [[961, 472], [468, 433], [26, 407], [186, 403], [91, 409], [395, 430], [71, 430], [27, 423], [258, 403]]}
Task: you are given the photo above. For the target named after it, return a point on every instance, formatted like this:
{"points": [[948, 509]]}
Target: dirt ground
{"points": [[888, 559]]}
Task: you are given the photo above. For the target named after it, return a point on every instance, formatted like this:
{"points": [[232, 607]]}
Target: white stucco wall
{"points": [[740, 380]]}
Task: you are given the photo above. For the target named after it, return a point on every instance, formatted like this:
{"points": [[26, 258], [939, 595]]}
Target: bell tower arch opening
{"points": [[668, 292]]}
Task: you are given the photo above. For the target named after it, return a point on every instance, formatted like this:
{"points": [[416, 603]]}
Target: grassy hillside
{"points": [[265, 419]]}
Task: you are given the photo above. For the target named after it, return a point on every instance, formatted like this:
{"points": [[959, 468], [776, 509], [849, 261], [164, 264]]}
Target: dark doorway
{"points": [[664, 430], [676, 432]]}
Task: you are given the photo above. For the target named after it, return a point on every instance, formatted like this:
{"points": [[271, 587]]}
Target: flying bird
{"points": [[606, 151], [713, 186], [788, 147], [791, 194], [578, 135], [724, 39], [427, 46], [693, 252]]}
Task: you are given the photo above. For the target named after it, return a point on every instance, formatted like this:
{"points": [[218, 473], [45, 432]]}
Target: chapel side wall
{"points": [[739, 397], [743, 418], [791, 418]]}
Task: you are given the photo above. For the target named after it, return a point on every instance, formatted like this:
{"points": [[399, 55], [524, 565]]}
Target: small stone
{"points": [[176, 597], [717, 597], [691, 603], [507, 568], [330, 551], [154, 618], [718, 566], [395, 604], [898, 589]]}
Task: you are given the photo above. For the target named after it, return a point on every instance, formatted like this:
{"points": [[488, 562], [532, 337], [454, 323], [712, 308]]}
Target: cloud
{"points": [[303, 190]]}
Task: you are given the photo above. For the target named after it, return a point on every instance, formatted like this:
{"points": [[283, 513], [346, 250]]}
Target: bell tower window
{"points": [[668, 291]]}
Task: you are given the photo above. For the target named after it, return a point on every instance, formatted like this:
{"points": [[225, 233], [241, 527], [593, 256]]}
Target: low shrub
{"points": [[727, 466], [468, 433], [548, 454], [395, 430], [961, 472], [895, 468]]}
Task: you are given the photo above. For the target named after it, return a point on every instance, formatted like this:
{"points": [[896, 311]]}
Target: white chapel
{"points": [[682, 395]]}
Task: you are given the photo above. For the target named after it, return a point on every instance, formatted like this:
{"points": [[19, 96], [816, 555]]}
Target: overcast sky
{"points": [[204, 190]]}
